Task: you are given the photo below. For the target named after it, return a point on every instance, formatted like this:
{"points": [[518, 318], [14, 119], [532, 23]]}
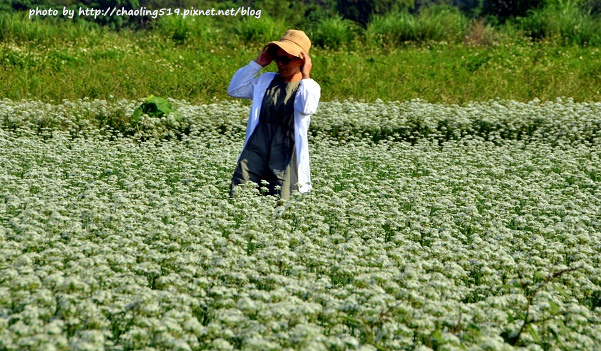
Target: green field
{"points": [[194, 61]]}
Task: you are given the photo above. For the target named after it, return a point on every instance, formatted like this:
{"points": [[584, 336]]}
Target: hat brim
{"points": [[290, 48]]}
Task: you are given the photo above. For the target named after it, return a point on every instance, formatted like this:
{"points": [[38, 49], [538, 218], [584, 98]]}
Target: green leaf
{"points": [[136, 115], [553, 307], [540, 276], [533, 332], [561, 290], [353, 322], [562, 327], [510, 317], [153, 106], [161, 106], [436, 336]]}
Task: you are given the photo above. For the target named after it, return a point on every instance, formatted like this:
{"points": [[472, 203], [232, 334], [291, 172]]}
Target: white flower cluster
{"points": [[112, 243], [556, 122]]}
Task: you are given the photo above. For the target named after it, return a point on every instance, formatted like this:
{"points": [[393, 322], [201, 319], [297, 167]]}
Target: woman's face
{"points": [[288, 65]]}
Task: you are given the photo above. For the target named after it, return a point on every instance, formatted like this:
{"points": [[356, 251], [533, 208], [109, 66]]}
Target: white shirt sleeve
{"points": [[243, 81], [307, 98]]}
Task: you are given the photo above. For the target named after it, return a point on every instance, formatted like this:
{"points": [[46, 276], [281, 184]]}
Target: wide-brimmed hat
{"points": [[293, 42]]}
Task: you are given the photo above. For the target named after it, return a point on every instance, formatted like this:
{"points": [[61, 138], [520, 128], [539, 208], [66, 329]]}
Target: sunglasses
{"points": [[283, 59]]}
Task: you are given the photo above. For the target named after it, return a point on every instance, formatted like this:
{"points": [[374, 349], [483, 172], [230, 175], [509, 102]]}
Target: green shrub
{"points": [[441, 23], [333, 32], [565, 19], [260, 30], [153, 106], [434, 23], [362, 11], [19, 27], [181, 29], [391, 29]]}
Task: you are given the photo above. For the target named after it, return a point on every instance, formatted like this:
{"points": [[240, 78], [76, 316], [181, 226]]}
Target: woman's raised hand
{"points": [[265, 57]]}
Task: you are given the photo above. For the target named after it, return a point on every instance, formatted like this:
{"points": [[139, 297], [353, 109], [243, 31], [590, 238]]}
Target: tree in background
{"points": [[471, 8], [593, 5], [505, 9], [111, 21], [21, 5], [361, 10]]}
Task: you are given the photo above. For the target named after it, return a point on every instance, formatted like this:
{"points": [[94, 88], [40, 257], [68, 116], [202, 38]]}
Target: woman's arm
{"points": [[309, 91], [241, 85], [307, 97]]}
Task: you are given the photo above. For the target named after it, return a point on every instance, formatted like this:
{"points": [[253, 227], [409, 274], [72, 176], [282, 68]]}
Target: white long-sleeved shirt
{"points": [[245, 85]]}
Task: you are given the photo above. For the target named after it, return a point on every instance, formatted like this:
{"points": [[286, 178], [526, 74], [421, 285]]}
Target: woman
{"points": [[276, 148]]}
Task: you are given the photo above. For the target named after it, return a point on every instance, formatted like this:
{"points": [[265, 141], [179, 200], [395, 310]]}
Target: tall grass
{"points": [[434, 23], [441, 23], [181, 30], [391, 29], [564, 19], [260, 30], [19, 27], [334, 32], [193, 59]]}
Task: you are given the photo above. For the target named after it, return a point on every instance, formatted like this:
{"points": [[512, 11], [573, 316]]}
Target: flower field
{"points": [[428, 227]]}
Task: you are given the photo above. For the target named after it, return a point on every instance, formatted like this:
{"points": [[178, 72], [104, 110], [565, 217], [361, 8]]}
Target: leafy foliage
{"points": [[153, 106], [361, 10], [334, 32], [563, 19]]}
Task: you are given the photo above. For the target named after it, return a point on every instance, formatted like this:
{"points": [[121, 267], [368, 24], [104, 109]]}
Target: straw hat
{"points": [[293, 42]]}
